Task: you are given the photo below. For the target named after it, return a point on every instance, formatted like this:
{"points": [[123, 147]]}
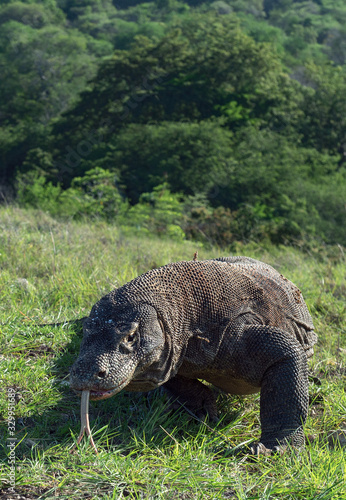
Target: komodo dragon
{"points": [[234, 322]]}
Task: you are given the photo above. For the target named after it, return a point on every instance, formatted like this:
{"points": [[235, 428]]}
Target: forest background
{"points": [[218, 121]]}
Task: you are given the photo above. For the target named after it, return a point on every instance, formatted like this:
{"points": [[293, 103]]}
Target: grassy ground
{"points": [[53, 271]]}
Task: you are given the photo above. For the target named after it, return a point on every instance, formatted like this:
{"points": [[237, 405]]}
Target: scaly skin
{"points": [[234, 322]]}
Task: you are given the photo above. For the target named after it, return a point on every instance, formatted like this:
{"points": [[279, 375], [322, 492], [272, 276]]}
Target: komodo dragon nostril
{"points": [[102, 374]]}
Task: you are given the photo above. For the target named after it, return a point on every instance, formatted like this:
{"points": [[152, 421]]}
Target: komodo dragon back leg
{"points": [[278, 362], [194, 395]]}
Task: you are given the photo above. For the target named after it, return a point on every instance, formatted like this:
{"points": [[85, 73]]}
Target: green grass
{"points": [[54, 271]]}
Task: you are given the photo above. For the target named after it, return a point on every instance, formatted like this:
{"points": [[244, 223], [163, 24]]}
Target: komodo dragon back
{"points": [[283, 295], [234, 322]]}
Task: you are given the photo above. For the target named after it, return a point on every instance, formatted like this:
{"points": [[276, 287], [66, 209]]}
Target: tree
{"points": [[324, 126], [185, 155], [204, 67], [43, 67]]}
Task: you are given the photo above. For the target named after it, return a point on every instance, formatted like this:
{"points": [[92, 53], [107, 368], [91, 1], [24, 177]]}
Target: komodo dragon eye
{"points": [[127, 344], [131, 338]]}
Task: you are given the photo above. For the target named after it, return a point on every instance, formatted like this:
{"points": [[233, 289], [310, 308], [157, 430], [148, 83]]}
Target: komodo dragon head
{"points": [[122, 344]]}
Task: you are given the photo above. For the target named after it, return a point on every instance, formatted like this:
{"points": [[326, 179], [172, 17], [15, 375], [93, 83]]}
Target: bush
{"points": [[33, 190], [305, 211], [94, 195], [159, 212]]}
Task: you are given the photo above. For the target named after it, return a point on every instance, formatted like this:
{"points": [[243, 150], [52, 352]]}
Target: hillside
{"points": [[236, 108]]}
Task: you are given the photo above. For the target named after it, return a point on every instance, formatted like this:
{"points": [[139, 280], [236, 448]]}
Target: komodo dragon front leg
{"points": [[279, 365], [284, 387], [262, 358]]}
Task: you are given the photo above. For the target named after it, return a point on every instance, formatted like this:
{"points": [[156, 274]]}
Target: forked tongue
{"points": [[84, 415]]}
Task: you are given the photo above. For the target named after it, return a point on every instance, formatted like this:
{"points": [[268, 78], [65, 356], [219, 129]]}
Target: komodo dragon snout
{"points": [[119, 347]]}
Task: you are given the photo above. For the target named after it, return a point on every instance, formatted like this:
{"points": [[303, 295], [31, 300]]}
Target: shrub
{"points": [[94, 195], [33, 190], [159, 212]]}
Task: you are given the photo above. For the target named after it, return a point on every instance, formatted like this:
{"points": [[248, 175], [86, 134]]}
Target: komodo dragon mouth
{"points": [[98, 394]]}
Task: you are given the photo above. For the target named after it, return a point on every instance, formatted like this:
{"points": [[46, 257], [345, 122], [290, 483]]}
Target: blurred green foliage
{"points": [[214, 120]]}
